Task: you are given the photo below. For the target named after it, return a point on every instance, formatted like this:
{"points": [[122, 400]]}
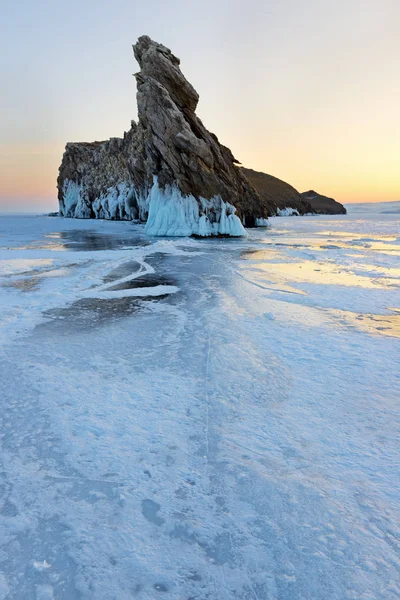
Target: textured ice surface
{"points": [[237, 438]]}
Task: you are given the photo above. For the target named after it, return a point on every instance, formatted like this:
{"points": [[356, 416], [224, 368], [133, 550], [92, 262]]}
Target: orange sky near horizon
{"points": [[309, 93], [30, 174]]}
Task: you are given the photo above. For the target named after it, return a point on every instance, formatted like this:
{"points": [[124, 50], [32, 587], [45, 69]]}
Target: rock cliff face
{"points": [[167, 170], [323, 205], [273, 190]]}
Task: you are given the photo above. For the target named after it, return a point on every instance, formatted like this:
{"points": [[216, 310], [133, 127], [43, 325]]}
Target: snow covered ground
{"points": [[200, 419]]}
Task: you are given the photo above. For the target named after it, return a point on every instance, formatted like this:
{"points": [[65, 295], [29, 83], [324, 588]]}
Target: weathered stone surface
{"points": [[167, 161]]}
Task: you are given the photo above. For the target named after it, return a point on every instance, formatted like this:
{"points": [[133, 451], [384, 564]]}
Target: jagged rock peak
{"points": [[168, 169], [158, 62]]}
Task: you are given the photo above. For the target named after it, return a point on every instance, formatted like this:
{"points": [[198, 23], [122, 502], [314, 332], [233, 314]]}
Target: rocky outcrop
{"points": [[288, 200], [167, 170], [323, 205], [275, 191]]}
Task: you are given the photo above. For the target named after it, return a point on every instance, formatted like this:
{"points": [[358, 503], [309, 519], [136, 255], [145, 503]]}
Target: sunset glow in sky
{"points": [[308, 91]]}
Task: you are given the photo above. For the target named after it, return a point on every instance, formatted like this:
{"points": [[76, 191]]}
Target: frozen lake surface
{"points": [[193, 419]]}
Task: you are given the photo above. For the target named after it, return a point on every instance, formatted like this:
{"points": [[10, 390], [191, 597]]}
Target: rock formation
{"points": [[288, 200], [275, 191], [322, 205], [167, 170]]}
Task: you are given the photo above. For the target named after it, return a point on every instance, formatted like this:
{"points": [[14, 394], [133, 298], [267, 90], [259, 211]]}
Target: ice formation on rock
{"points": [[288, 211], [171, 214]]}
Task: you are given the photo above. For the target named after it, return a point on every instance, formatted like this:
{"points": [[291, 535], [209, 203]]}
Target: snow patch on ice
{"points": [[173, 214], [157, 290], [41, 565], [16, 266]]}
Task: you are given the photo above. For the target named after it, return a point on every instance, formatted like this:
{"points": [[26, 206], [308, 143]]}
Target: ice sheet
{"points": [[237, 438]]}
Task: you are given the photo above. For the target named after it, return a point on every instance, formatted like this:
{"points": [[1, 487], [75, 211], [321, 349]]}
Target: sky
{"points": [[306, 90]]}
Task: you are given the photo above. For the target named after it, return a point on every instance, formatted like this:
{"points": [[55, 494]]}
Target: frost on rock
{"points": [[115, 203], [173, 214], [287, 212], [121, 202], [73, 204], [200, 188]]}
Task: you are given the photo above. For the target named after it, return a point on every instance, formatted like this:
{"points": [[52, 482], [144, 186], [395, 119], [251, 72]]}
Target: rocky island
{"points": [[322, 205], [288, 200], [168, 170]]}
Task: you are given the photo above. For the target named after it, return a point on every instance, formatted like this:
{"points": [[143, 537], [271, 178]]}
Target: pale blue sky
{"points": [[305, 90]]}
